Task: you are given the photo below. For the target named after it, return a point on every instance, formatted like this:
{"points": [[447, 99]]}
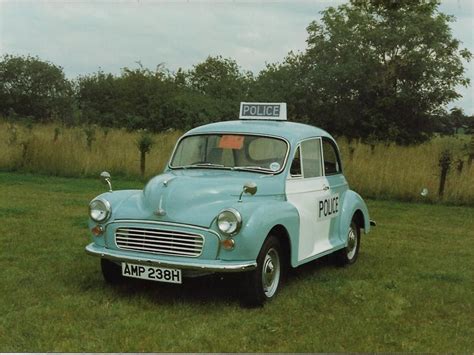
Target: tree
{"points": [[470, 125], [137, 99], [97, 98], [283, 82], [458, 119], [144, 144], [381, 69], [35, 88], [222, 80]]}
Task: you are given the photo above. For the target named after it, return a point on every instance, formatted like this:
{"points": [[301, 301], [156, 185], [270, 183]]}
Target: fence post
{"points": [[444, 163]]}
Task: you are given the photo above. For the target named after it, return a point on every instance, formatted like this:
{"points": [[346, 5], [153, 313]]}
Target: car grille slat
{"points": [[164, 241], [159, 245], [158, 241], [160, 251], [148, 237], [158, 232]]}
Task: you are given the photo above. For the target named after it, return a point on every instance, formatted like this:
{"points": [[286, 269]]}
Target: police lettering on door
{"points": [[328, 207]]}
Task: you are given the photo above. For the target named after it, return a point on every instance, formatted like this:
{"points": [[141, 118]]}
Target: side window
{"points": [[311, 158], [295, 169], [332, 163]]}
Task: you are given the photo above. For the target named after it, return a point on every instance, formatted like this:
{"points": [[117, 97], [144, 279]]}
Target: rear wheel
{"points": [[262, 284], [111, 272], [349, 254]]}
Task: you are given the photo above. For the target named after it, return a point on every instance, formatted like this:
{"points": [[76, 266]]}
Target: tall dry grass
{"points": [[62, 151], [403, 172], [378, 171]]}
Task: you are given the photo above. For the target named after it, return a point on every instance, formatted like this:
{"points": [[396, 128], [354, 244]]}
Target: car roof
{"points": [[292, 131]]}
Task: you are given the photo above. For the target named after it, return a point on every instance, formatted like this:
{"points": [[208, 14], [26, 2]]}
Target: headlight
{"points": [[99, 210], [229, 221]]}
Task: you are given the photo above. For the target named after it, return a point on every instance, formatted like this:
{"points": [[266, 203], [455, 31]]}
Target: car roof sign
{"points": [[262, 111]]}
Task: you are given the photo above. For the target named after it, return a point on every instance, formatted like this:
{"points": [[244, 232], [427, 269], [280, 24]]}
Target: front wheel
{"points": [[349, 254], [261, 284]]}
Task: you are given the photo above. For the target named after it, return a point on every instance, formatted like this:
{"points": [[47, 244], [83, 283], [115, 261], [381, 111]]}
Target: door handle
{"points": [[325, 187]]}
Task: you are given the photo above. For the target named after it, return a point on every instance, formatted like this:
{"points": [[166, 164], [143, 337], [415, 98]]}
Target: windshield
{"points": [[231, 151]]}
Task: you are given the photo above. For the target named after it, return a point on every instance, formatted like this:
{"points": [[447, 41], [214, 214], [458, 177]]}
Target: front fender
{"points": [[258, 220], [116, 199], [353, 203]]}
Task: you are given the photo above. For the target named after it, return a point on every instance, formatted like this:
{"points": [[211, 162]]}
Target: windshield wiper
{"points": [[202, 165], [253, 168]]}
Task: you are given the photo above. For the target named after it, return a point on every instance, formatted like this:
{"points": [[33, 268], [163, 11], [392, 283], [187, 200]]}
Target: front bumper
{"points": [[205, 265]]}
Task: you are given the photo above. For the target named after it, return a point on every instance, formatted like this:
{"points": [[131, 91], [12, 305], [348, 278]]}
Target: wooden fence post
{"points": [[444, 163]]}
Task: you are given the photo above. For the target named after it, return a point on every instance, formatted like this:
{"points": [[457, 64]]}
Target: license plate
{"points": [[152, 273]]}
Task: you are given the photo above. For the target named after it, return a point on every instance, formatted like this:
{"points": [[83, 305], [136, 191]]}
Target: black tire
{"points": [[261, 285], [111, 272], [349, 254]]}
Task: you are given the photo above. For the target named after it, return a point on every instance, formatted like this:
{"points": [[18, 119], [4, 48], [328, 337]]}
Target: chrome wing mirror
{"points": [[105, 176], [249, 188]]}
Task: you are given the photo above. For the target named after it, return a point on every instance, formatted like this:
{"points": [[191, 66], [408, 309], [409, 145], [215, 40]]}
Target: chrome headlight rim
{"points": [[238, 221], [108, 210]]}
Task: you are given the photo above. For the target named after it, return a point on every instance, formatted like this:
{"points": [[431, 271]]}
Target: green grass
{"points": [[411, 290]]}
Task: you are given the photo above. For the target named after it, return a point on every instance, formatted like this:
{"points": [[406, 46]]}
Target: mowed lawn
{"points": [[412, 288]]}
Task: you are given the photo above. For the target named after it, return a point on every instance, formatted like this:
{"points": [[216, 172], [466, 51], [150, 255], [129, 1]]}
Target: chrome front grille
{"points": [[158, 241]]}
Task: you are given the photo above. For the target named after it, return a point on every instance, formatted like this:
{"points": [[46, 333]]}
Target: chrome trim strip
{"points": [[229, 266], [140, 221], [161, 232], [186, 253]]}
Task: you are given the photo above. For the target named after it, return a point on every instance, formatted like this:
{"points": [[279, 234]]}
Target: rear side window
{"points": [[311, 158], [332, 163]]}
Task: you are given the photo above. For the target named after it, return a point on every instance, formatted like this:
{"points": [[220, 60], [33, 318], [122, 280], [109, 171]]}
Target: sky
{"points": [[84, 36]]}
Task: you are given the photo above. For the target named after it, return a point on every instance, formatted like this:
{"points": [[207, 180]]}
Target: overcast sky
{"points": [[84, 35]]}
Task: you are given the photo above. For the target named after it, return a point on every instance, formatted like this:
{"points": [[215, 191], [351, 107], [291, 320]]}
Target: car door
{"points": [[308, 190], [336, 181]]}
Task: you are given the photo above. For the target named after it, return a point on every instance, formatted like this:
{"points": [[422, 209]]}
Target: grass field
{"points": [[381, 171], [411, 289]]}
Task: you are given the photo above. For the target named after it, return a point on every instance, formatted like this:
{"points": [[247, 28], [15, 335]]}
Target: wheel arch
{"points": [[280, 218], [280, 232], [358, 218], [355, 208]]}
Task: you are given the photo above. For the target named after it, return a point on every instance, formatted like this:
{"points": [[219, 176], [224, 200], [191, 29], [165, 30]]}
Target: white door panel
{"points": [[308, 196]]}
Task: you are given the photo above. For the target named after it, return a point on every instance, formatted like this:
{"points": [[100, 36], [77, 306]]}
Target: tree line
{"points": [[372, 70]]}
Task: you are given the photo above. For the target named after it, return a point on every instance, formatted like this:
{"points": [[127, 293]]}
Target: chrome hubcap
{"points": [[351, 243], [271, 272]]}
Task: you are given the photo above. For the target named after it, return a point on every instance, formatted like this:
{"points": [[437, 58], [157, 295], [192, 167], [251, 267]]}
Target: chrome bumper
{"points": [[209, 265]]}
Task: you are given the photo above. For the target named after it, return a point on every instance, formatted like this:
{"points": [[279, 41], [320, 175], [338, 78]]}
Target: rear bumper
{"points": [[205, 265]]}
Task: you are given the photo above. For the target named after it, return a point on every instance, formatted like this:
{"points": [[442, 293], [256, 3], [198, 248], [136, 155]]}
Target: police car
{"points": [[255, 196]]}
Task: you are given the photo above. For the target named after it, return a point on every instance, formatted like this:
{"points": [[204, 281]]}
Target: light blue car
{"points": [[255, 196]]}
